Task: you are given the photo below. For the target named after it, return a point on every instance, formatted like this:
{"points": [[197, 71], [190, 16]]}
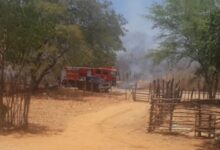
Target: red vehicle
{"points": [[72, 76], [108, 74]]}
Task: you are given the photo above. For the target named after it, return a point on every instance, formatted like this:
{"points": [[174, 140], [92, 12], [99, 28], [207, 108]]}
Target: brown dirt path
{"points": [[118, 127]]}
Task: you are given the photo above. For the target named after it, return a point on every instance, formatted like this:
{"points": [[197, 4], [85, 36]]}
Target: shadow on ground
{"points": [[210, 145], [72, 94], [173, 134], [33, 129]]}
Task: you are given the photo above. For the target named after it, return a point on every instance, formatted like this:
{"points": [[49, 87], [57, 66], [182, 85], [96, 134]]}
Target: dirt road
{"points": [[118, 127]]}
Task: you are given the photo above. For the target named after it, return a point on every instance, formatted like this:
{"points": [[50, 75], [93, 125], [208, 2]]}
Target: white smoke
{"points": [[133, 62]]}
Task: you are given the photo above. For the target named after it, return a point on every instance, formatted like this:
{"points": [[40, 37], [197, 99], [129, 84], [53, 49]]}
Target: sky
{"points": [[140, 38], [138, 25]]}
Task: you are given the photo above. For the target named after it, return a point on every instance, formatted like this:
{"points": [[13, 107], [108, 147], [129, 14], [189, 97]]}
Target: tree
{"points": [[102, 28], [37, 36], [190, 29]]}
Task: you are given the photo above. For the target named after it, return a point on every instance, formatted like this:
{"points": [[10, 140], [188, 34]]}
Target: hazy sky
{"points": [[139, 39], [138, 26]]}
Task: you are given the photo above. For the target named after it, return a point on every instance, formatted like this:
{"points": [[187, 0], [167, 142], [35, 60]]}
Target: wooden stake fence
{"points": [[169, 113], [15, 108]]}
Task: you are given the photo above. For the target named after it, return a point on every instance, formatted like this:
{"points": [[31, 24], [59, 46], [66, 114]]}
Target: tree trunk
{"points": [[2, 113], [212, 84], [216, 85], [35, 81]]}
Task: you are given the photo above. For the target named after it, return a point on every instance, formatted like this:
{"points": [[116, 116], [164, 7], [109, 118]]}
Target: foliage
{"points": [[36, 36], [189, 29], [102, 28]]}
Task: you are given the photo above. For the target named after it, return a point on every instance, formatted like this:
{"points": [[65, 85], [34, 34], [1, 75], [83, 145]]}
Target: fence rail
{"points": [[141, 95], [175, 110]]}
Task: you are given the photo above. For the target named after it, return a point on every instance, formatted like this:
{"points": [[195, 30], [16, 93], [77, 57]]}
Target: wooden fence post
{"points": [[171, 117], [210, 125], [200, 118], [151, 121], [135, 91], [192, 94], [199, 89]]}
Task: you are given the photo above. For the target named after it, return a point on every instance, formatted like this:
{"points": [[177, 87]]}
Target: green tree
{"points": [[189, 29], [102, 28], [35, 36], [39, 35]]}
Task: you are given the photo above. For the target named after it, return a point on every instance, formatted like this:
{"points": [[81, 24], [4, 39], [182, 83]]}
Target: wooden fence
{"points": [[187, 118], [171, 89], [141, 95], [15, 105], [169, 112], [157, 89]]}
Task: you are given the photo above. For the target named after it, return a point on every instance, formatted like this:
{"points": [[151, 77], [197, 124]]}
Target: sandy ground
{"points": [[98, 122]]}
